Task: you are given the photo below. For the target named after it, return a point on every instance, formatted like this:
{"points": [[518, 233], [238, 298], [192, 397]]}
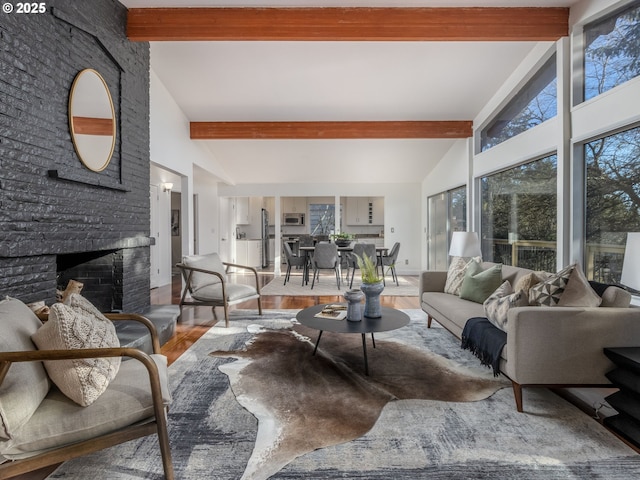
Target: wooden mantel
{"points": [[330, 130], [349, 24]]}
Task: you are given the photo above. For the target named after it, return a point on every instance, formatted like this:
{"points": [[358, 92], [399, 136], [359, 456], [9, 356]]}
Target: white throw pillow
{"points": [[497, 306], [455, 274], [75, 326]]}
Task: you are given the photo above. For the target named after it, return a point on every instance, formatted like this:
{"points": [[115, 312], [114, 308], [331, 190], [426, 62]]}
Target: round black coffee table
{"points": [[391, 319]]}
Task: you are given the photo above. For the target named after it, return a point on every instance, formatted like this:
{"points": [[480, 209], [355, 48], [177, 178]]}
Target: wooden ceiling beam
{"points": [[329, 130], [349, 24]]}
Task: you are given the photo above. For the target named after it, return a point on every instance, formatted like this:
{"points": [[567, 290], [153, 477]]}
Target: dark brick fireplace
{"points": [[58, 219]]}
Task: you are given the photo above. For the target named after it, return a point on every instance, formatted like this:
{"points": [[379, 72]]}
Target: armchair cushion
{"points": [[210, 262], [75, 326], [127, 400], [26, 384], [235, 291]]}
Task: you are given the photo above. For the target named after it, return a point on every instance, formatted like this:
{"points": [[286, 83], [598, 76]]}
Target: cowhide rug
{"points": [[305, 402]]}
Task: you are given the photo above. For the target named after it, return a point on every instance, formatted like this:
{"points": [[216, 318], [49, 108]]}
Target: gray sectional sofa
{"points": [[546, 346]]}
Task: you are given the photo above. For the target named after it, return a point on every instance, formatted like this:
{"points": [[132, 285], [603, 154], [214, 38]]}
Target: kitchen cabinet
{"points": [[241, 206], [365, 211], [294, 204], [378, 211], [249, 253], [270, 206]]}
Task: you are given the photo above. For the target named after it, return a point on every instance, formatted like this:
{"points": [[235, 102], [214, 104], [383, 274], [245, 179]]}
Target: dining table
{"points": [[308, 250]]}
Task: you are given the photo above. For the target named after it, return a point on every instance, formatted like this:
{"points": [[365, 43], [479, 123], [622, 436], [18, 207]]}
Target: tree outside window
{"points": [[519, 215], [612, 202], [612, 51]]}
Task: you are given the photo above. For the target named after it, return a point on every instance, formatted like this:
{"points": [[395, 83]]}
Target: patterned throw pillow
{"points": [[549, 291], [497, 306], [73, 326], [455, 274]]}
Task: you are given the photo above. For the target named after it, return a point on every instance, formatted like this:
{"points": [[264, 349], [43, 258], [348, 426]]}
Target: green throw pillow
{"points": [[478, 284]]}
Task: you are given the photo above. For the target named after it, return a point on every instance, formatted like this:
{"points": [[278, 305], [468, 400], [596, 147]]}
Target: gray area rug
{"points": [[212, 436], [327, 286]]}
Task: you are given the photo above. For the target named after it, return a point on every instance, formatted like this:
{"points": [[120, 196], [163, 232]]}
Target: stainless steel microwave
{"points": [[293, 219]]}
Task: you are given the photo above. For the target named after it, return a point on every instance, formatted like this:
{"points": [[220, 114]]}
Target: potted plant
{"points": [[342, 239], [372, 286]]}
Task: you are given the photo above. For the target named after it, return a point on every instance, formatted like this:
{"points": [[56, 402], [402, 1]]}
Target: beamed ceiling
{"points": [[369, 91]]}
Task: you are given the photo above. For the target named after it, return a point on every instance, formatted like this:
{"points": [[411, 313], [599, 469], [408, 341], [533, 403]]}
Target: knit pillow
{"points": [[76, 326], [455, 274], [548, 292], [497, 306]]}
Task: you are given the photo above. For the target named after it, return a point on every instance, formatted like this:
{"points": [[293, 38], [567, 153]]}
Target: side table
{"points": [[626, 401]]}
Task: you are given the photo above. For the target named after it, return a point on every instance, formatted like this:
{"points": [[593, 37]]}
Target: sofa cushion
{"points": [[451, 307], [615, 297], [76, 326], [497, 306], [455, 275], [478, 284], [578, 292], [126, 401], [26, 383], [549, 291]]}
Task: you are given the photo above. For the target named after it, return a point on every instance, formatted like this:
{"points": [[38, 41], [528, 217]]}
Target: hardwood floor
{"points": [[196, 321]]}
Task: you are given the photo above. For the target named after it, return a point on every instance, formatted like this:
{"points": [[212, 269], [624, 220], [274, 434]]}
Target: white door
{"points": [[225, 227], [155, 234]]}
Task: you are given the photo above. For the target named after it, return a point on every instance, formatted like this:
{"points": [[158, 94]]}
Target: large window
{"points": [[535, 103], [447, 213], [613, 202], [322, 218], [611, 51], [519, 215]]}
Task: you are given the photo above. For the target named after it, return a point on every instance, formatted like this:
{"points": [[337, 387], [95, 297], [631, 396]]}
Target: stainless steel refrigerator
{"points": [[265, 238]]}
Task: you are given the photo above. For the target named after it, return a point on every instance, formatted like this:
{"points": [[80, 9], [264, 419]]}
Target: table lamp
{"points": [[465, 244], [631, 266]]}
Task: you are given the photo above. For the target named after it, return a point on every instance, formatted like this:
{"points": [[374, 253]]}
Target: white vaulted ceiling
{"points": [[333, 81]]}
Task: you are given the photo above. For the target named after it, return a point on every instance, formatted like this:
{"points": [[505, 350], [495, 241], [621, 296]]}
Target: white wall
{"points": [[192, 170]]}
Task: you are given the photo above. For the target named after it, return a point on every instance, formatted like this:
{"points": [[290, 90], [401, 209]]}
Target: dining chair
{"points": [[293, 260], [359, 250], [389, 260], [325, 257]]}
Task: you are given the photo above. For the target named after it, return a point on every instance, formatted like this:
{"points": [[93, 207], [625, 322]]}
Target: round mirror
{"points": [[92, 120]]}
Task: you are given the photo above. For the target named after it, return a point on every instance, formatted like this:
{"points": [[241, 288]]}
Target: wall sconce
{"points": [[167, 186]]}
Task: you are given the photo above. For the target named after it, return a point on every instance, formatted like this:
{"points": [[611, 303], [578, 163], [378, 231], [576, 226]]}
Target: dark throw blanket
{"points": [[485, 341]]}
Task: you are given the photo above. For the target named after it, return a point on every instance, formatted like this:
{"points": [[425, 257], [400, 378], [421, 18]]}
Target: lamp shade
{"points": [[465, 244], [631, 265]]}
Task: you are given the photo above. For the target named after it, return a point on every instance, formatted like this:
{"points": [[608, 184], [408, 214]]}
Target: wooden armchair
{"points": [[206, 284], [40, 426]]}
